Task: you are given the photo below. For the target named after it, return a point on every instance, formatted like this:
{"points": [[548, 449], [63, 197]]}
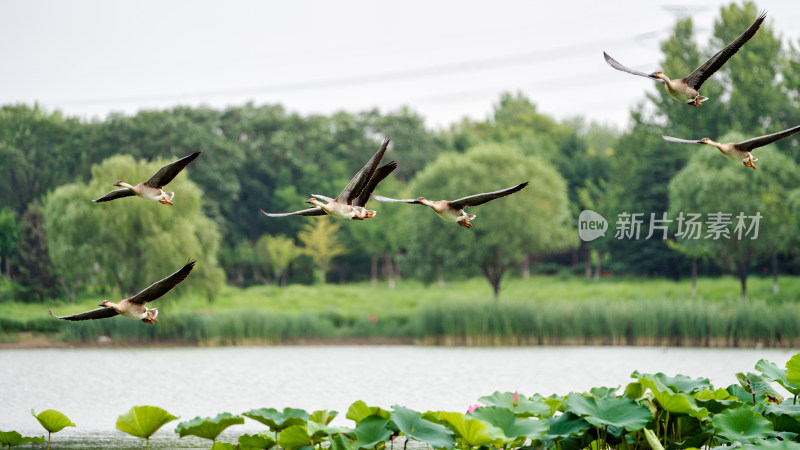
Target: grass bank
{"points": [[540, 310]]}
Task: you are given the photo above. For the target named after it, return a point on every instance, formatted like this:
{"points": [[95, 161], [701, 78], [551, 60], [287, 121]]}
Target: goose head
{"points": [[314, 201], [659, 75], [105, 303]]}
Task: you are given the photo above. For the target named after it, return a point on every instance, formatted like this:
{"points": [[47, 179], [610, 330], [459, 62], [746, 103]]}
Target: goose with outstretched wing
{"points": [[151, 189], [740, 151], [135, 307], [453, 210], [351, 202], [686, 89]]}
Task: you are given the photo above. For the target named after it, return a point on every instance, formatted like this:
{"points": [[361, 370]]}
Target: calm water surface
{"points": [[94, 386]]}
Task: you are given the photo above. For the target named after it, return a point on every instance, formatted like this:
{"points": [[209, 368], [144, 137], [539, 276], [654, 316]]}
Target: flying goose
{"points": [[135, 307], [151, 189], [740, 151], [350, 204], [453, 210], [685, 90]]}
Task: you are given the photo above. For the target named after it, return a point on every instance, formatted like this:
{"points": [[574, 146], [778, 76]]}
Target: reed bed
{"points": [[692, 322], [686, 322]]}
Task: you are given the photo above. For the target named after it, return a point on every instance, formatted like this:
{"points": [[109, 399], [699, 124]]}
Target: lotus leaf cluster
{"points": [[654, 411]]}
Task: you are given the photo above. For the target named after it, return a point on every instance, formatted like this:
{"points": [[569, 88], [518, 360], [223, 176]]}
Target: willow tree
{"points": [[130, 242], [321, 244], [534, 221], [277, 252]]}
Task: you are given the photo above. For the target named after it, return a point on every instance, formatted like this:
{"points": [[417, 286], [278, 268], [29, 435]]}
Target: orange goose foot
{"points": [[150, 319]]}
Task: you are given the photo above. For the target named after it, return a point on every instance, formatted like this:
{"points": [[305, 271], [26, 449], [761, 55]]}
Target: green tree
{"points": [[32, 260], [533, 221], [710, 184], [278, 253], [130, 242], [9, 235], [321, 244], [238, 260]]}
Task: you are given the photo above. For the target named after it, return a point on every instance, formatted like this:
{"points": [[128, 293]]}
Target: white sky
{"points": [[444, 59]]}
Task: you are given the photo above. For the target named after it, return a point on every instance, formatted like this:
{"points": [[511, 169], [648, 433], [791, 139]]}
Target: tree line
{"points": [[54, 243]]}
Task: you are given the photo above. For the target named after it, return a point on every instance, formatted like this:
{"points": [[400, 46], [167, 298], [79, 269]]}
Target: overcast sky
{"points": [[444, 59]]}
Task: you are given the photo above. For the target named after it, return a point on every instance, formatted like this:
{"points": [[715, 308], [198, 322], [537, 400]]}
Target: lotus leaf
{"points": [[256, 442], [610, 411], [224, 446], [359, 410], [323, 416], [784, 417], [278, 420], [771, 372], [652, 439], [773, 444], [415, 427], [473, 432], [371, 431], [565, 425], [208, 428], [793, 370], [319, 431], [741, 425], [524, 407], [756, 384], [52, 420], [672, 402], [143, 421], [693, 441], [13, 439], [342, 442], [553, 402], [634, 391], [512, 426], [603, 391], [745, 396], [716, 401], [295, 436]]}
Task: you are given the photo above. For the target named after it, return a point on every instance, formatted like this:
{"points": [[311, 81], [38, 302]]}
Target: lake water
{"points": [[95, 386]]}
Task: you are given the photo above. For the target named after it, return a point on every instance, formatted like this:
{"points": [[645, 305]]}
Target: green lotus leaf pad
{"points": [[52, 420], [143, 421], [208, 428]]}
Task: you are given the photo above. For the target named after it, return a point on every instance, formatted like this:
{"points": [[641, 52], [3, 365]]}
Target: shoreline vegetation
{"points": [[542, 310]]}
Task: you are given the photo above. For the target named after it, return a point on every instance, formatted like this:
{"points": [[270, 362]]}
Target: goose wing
{"points": [[381, 173], [616, 64], [479, 199], [115, 194], [682, 141], [360, 180], [99, 313], [161, 287], [696, 78], [313, 211], [380, 198], [761, 141], [168, 172]]}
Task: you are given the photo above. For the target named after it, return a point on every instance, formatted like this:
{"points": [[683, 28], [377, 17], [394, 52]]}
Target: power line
{"points": [[384, 77]]}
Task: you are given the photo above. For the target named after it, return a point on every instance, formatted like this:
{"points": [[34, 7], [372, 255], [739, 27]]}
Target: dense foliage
{"points": [[265, 157]]}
